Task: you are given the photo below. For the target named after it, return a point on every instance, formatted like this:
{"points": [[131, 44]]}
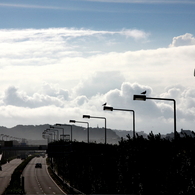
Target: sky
{"points": [[62, 59]]}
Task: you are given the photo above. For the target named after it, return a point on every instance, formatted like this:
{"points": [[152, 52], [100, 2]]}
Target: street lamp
{"points": [[47, 131], [46, 135], [143, 98], [63, 128], [52, 129], [58, 128], [88, 116], [111, 109], [2, 136], [73, 121]]}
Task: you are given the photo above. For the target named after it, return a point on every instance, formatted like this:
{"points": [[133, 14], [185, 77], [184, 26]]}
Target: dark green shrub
{"points": [[136, 166]]}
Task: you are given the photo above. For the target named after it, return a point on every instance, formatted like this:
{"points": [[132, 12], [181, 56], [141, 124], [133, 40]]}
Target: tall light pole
{"points": [[47, 131], [52, 129], [88, 116], [143, 98], [47, 134], [73, 121], [58, 128], [2, 136], [111, 109], [66, 125]]}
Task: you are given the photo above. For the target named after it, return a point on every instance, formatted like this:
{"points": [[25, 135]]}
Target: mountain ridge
{"points": [[34, 132]]}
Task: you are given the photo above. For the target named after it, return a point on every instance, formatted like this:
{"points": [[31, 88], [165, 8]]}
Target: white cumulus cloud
{"points": [[183, 40], [15, 97]]}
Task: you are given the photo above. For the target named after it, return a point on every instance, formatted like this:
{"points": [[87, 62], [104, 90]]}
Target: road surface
{"points": [[37, 180], [5, 174]]}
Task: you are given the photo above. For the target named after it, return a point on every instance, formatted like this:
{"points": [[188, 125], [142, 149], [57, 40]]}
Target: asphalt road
{"points": [[5, 174], [38, 180]]}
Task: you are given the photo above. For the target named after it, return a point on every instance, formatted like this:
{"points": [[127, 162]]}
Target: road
{"points": [[37, 180], [5, 174]]}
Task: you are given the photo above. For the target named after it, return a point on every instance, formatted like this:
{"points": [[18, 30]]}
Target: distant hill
{"points": [[25, 131], [34, 132]]}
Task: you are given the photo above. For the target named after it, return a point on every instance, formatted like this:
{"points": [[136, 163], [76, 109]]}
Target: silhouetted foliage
{"points": [[135, 166]]}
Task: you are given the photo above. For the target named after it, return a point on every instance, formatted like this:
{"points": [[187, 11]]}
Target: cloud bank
{"points": [[54, 75], [150, 115]]}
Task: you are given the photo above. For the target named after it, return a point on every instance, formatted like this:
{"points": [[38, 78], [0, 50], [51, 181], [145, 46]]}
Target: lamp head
{"points": [[72, 121], [108, 108], [58, 124], [86, 116], [139, 97]]}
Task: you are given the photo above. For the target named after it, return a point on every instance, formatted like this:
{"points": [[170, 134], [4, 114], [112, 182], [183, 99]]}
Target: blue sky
{"points": [[163, 19], [64, 58]]}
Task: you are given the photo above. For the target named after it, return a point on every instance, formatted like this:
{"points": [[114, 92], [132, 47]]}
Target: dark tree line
{"points": [[135, 166]]}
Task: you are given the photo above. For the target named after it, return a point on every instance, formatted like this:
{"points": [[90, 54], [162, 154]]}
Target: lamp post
{"points": [[143, 98], [58, 128], [88, 116], [73, 121], [54, 129], [111, 109], [2, 136], [46, 135], [47, 131], [63, 128]]}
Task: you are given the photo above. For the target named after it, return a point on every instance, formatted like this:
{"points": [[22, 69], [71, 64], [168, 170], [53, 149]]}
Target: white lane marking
{"points": [[54, 181], [38, 183]]}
